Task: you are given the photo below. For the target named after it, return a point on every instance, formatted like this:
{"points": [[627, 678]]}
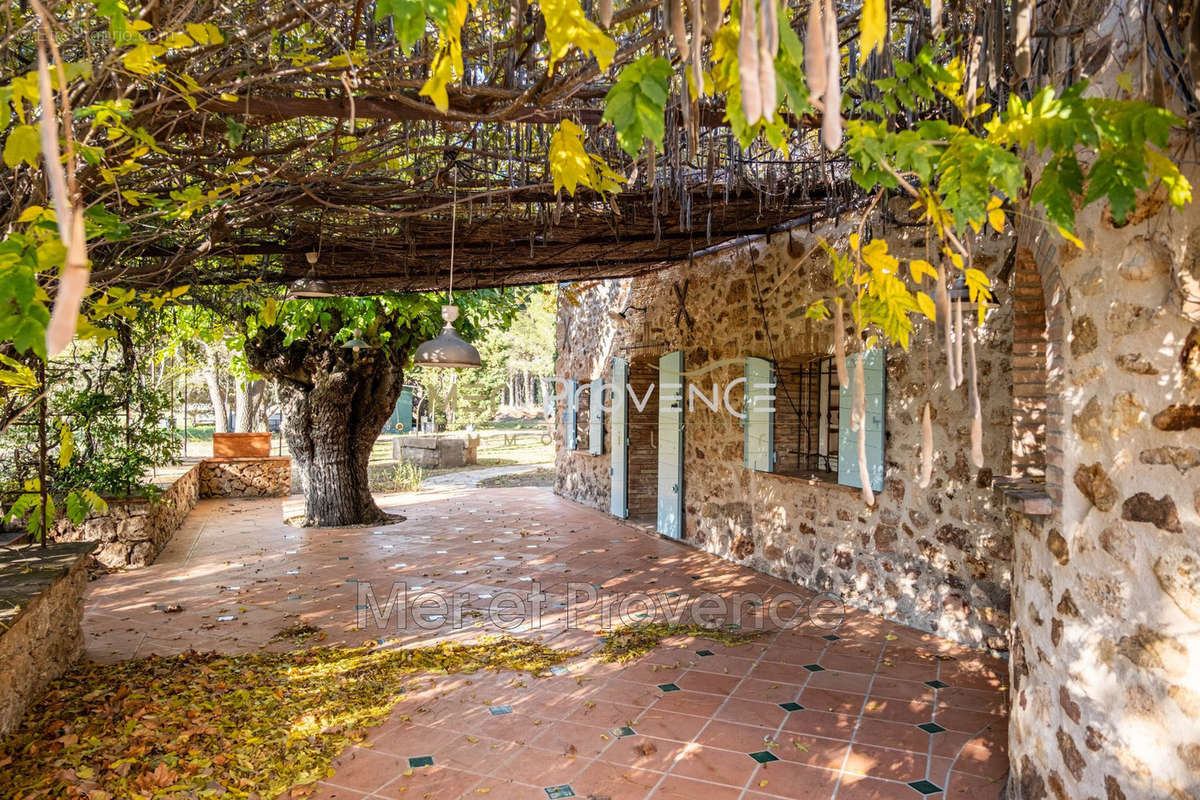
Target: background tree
{"points": [[335, 400]]}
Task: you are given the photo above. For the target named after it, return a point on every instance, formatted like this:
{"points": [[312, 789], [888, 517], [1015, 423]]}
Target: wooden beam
{"points": [[278, 109]]}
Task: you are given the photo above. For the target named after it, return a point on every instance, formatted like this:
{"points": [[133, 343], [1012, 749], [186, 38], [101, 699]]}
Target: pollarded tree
{"points": [[335, 398]]}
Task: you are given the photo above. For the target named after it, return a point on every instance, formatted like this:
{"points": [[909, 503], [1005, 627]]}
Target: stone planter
{"points": [[241, 445]]}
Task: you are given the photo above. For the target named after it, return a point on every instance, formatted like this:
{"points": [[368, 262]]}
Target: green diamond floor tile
{"points": [[622, 732], [668, 687], [931, 727], [925, 787], [704, 652], [555, 792], [814, 668], [791, 706], [420, 761], [764, 757], [936, 684]]}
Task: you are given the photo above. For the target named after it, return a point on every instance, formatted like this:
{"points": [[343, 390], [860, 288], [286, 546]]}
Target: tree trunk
{"points": [[334, 405], [212, 378], [331, 424], [247, 400]]}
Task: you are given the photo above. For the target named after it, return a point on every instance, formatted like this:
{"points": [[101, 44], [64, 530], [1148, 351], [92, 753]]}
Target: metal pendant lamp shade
{"points": [[356, 343], [447, 350], [310, 285]]}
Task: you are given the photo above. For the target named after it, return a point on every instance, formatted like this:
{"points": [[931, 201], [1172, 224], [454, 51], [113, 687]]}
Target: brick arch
{"points": [[1038, 361]]}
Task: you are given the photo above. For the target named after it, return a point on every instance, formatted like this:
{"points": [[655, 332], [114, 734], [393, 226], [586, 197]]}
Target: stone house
{"points": [[1076, 547], [777, 489]]}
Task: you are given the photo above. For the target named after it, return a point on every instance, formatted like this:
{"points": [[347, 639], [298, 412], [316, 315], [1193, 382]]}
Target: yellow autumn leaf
{"points": [[572, 166], [206, 33], [872, 26], [1070, 237], [30, 214], [569, 163], [877, 257], [441, 73], [978, 285], [142, 59], [177, 40], [919, 268], [927, 306], [447, 64], [995, 214], [567, 25]]}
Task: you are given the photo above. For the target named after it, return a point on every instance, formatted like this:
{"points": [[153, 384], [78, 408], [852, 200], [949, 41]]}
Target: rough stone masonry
{"points": [[937, 559]]}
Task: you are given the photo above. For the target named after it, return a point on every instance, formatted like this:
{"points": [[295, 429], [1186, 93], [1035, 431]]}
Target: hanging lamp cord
{"points": [[453, 220]]}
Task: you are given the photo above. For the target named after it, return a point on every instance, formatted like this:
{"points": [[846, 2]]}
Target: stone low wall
{"points": [[245, 477], [436, 452], [41, 610], [134, 531]]}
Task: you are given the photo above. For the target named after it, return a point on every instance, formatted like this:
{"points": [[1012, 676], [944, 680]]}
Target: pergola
{"points": [[308, 124]]}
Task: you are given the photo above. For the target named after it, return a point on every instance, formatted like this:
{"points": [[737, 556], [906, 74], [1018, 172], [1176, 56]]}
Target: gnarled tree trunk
{"points": [[335, 404]]}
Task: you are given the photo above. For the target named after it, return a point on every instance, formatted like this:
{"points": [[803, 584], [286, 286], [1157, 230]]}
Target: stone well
{"points": [[437, 452]]}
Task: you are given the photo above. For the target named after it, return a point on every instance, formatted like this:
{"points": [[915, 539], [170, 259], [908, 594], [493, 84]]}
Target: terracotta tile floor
{"points": [[805, 712]]}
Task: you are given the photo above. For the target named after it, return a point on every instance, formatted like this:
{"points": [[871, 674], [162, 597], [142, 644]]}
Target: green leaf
{"points": [[234, 131], [1061, 181], [1117, 175], [636, 103], [408, 19]]}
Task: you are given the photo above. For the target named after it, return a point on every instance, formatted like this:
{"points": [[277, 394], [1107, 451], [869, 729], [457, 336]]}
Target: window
{"points": [[798, 418]]}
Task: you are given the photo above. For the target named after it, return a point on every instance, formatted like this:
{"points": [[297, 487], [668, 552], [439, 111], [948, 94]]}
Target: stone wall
{"points": [[937, 559], [1106, 606], [134, 531], [246, 477], [41, 610]]}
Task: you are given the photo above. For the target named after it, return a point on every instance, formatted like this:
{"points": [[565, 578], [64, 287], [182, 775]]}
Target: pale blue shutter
{"points": [[758, 442], [875, 373], [570, 428], [619, 422], [596, 417], [670, 445]]}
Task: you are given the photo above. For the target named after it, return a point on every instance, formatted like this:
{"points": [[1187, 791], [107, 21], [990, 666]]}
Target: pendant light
{"points": [[448, 350], [310, 285], [356, 343]]}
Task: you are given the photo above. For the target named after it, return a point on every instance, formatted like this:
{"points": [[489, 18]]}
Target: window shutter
{"points": [[596, 417], [758, 446], [570, 425], [874, 371]]}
